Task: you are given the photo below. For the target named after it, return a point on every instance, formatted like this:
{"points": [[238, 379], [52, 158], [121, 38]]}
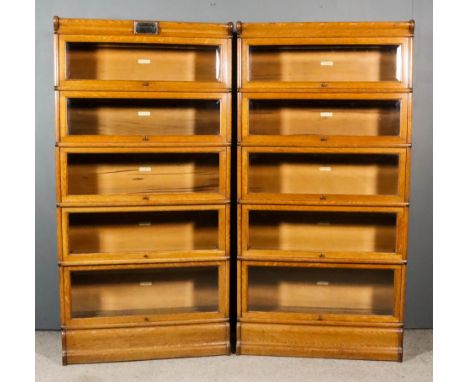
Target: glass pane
{"points": [[117, 232], [143, 291], [94, 116], [320, 290], [339, 174], [319, 231], [111, 174], [324, 117], [142, 62], [325, 63]]}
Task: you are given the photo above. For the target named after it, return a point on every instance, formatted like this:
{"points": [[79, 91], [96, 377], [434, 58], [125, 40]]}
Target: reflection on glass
{"points": [[399, 62], [320, 290], [325, 63], [123, 173], [151, 117], [142, 62], [370, 118], [142, 231], [338, 174], [322, 231], [143, 291]]}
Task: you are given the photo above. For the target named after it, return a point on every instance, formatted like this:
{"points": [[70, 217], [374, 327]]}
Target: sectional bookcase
{"points": [[143, 127], [323, 183], [143, 163]]}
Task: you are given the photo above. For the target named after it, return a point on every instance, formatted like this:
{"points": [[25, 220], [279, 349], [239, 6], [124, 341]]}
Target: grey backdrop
{"points": [[419, 275]]}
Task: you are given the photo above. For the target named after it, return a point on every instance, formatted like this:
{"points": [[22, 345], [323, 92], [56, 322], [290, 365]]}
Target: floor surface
{"points": [[416, 367]]}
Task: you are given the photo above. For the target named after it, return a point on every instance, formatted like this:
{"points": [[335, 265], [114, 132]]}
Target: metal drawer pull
{"points": [[145, 27]]}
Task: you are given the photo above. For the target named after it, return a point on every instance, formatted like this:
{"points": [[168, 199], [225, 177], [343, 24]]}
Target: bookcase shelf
{"points": [[143, 129], [323, 164]]}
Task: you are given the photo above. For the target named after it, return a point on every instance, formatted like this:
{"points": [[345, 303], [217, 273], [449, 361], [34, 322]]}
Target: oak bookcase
{"points": [[143, 136], [143, 127], [323, 178]]}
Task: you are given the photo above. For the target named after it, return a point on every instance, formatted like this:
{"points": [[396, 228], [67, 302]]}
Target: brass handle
{"points": [[145, 27]]}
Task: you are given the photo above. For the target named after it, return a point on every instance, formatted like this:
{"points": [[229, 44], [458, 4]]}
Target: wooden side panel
{"points": [[383, 344], [127, 344]]}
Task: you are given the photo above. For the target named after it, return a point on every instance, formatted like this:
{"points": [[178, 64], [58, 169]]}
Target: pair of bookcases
{"points": [[143, 131]]}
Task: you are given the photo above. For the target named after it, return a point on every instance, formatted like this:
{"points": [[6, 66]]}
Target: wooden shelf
{"points": [[323, 175], [143, 129], [142, 62], [94, 176], [158, 233], [92, 118], [325, 119], [318, 233]]}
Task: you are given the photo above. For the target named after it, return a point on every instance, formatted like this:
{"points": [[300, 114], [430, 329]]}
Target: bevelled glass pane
{"points": [[338, 174], [325, 63], [142, 62], [320, 290], [124, 173], [150, 117], [372, 118], [142, 231], [322, 231], [128, 292]]}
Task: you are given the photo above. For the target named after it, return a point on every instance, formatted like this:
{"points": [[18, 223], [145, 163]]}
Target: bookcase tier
{"points": [[323, 188], [143, 135]]}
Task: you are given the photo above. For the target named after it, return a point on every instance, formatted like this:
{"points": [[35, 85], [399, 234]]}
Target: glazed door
{"points": [[323, 176], [324, 233], [139, 176], [273, 119], [137, 294], [116, 118], [321, 292], [125, 234], [142, 63], [325, 63]]}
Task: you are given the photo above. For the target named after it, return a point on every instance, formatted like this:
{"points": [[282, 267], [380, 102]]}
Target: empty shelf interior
{"points": [[144, 291], [348, 174], [142, 62], [110, 174], [320, 290], [322, 231], [152, 117], [120, 232]]}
